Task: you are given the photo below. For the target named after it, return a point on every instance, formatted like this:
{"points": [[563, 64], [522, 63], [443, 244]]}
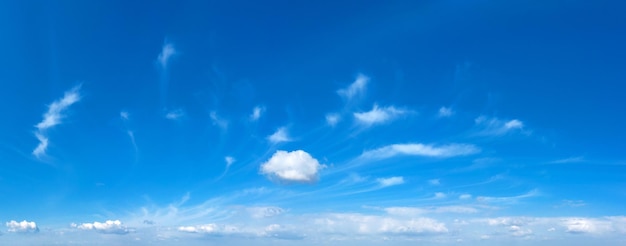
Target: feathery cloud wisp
{"points": [[174, 114], [229, 160], [386, 182], [332, 119], [256, 113], [293, 167], [357, 87], [497, 127], [419, 149], [167, 52], [54, 117], [217, 121], [279, 136], [379, 115]]}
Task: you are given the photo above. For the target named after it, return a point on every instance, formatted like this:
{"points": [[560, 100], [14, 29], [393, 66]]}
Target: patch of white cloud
{"points": [[167, 52], [279, 136], [124, 115], [264, 212], [174, 114], [509, 199], [332, 119], [257, 112], [445, 112], [519, 231], [440, 195], [418, 149], [356, 88], [53, 117], [576, 159], [497, 127], [379, 115], [465, 196], [586, 225], [218, 121], [434, 182], [292, 167], [107, 227], [359, 224], [229, 160], [391, 181], [22, 227]]}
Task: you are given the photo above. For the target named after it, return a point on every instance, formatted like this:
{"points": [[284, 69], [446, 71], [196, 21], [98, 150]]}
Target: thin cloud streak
{"points": [[53, 117]]}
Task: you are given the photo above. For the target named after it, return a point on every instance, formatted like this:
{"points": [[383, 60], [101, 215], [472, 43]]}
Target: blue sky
{"points": [[303, 122]]}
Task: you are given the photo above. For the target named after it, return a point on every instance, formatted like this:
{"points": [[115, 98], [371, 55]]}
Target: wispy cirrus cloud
{"points": [[175, 114], [497, 127], [257, 112], [53, 117], [418, 149], [575, 159], [279, 136], [379, 115], [356, 88], [292, 167], [22, 227], [391, 181], [332, 119], [167, 52], [218, 121]]}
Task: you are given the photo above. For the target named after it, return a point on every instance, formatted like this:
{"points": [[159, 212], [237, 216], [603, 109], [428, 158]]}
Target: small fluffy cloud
{"points": [[256, 113], [445, 112], [497, 127], [107, 227], [24, 226], [210, 229], [332, 119], [386, 182], [434, 182], [379, 115], [174, 114], [54, 117], [167, 52], [124, 115], [418, 149], [440, 195], [357, 87], [229, 160], [281, 135], [292, 167], [367, 225]]}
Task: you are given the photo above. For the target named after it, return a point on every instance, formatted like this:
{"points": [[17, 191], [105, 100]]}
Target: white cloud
{"points": [[379, 115], [256, 113], [445, 112], [296, 166], [217, 121], [229, 160], [585, 225], [367, 225], [440, 195], [465, 196], [434, 182], [264, 212], [167, 52], [124, 115], [386, 182], [419, 149], [174, 114], [576, 159], [357, 87], [279, 136], [210, 229], [108, 227], [519, 231], [54, 117], [415, 211], [332, 119], [497, 127], [24, 226]]}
